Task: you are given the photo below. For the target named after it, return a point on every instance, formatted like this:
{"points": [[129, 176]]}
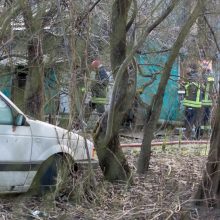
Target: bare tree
{"points": [[208, 193], [106, 139], [111, 158], [155, 107], [36, 17]]}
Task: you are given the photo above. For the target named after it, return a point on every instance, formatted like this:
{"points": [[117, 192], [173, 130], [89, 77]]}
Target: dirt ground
{"points": [[164, 193]]}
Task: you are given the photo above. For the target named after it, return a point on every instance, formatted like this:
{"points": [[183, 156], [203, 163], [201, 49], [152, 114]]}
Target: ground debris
{"points": [[164, 193]]}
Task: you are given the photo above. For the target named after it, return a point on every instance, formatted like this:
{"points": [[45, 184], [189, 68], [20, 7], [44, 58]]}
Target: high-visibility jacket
{"points": [[99, 86], [193, 95], [207, 101]]}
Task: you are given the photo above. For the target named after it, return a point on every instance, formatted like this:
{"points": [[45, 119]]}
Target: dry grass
{"points": [[164, 193]]}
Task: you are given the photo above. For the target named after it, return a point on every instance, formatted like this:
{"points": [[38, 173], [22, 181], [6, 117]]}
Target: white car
{"points": [[31, 149]]}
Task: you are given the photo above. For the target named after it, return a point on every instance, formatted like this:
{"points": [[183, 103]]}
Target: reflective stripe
{"points": [[207, 127], [193, 104], [210, 79], [83, 89], [198, 96], [99, 100], [186, 88], [207, 101], [207, 91]]}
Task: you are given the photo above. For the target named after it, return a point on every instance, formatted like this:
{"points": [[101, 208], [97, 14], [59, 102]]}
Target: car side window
{"points": [[6, 117]]}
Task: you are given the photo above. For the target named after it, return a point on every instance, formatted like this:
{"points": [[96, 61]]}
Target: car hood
{"points": [[44, 130]]}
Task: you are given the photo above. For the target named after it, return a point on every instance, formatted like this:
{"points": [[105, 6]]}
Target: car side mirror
{"points": [[20, 120]]}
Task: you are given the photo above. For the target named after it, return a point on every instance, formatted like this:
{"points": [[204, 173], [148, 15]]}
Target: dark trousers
{"points": [[206, 115], [193, 118], [206, 124]]}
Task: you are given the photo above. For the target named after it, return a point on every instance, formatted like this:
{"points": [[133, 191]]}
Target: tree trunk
{"points": [[157, 101], [111, 158], [208, 192], [34, 89]]}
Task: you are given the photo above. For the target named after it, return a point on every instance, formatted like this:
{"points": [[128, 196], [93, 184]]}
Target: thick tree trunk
{"points": [[157, 101], [208, 192], [34, 90], [118, 34], [111, 158]]}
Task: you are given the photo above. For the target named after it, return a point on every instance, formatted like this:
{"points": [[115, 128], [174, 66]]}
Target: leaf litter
{"points": [[165, 192]]}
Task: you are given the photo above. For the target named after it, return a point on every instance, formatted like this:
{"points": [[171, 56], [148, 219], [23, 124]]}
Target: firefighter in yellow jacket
{"points": [[207, 101], [193, 103], [98, 87]]}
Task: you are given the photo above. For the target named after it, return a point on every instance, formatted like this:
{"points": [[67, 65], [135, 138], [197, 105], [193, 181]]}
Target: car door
{"points": [[15, 149]]}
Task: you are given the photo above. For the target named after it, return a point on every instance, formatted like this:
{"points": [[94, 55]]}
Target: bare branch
{"points": [[128, 60], [213, 33], [8, 15], [93, 6], [87, 12], [156, 103], [133, 16], [48, 15]]}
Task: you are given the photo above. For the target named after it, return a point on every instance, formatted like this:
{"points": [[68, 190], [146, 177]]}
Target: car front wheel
{"points": [[52, 175]]}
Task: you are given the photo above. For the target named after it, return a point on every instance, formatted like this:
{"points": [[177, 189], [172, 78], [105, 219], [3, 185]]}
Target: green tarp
{"points": [[152, 64]]}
